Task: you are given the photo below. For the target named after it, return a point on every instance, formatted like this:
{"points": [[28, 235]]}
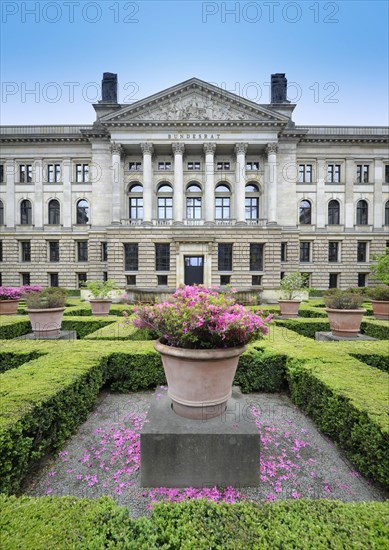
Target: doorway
{"points": [[194, 270]]}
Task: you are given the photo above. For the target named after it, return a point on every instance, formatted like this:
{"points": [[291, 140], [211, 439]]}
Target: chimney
{"points": [[278, 88], [109, 88]]}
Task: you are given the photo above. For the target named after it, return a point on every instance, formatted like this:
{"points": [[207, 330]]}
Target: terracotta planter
{"points": [[9, 307], [380, 309], [100, 307], [46, 323], [289, 308], [345, 322], [199, 381]]}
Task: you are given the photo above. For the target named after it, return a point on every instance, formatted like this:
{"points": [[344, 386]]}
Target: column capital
{"points": [[178, 148], [209, 147], [147, 148], [116, 148], [271, 149], [241, 148]]}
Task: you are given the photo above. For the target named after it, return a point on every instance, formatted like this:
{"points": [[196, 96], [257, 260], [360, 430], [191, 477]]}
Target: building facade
{"points": [[192, 185]]}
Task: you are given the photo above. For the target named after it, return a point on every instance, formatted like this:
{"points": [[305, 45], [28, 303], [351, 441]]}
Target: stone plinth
{"points": [[179, 452], [329, 337], [65, 335]]}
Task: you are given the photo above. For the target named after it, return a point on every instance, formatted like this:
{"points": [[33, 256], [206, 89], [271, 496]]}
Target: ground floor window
{"points": [[333, 280]]}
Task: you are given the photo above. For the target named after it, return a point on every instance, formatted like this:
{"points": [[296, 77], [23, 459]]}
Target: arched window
{"points": [[54, 212], [222, 202], [25, 212], [252, 202], [362, 212], [1, 213], [333, 212], [165, 201], [82, 212], [387, 213], [193, 202], [136, 202], [305, 212]]}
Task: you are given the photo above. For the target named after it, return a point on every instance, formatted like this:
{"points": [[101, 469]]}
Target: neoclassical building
{"points": [[193, 184]]}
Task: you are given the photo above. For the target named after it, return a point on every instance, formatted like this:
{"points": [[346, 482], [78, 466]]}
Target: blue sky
{"points": [[334, 54]]}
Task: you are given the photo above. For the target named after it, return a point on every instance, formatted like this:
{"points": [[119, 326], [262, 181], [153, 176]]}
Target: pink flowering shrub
{"points": [[201, 318], [16, 293]]}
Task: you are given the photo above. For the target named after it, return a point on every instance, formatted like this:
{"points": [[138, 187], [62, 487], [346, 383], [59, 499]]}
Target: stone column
{"points": [[67, 194], [209, 192], [349, 213], [38, 206], [271, 151], [147, 150], [10, 207], [321, 205], [240, 182], [178, 195], [116, 152], [378, 182]]}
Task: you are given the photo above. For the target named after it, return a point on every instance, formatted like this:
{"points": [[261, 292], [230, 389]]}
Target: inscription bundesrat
{"points": [[193, 136]]}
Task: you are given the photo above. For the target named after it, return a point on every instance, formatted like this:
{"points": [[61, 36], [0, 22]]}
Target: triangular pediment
{"points": [[194, 101]]}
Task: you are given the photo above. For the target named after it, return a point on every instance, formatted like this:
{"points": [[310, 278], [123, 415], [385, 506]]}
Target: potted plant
{"points": [[45, 310], [344, 312], [202, 334], [100, 304], [11, 296], [379, 296], [291, 287]]}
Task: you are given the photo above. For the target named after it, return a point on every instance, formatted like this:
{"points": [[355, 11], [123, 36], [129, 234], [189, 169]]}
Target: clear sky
{"points": [[334, 54]]}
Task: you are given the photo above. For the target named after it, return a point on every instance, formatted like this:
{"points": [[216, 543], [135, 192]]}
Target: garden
{"points": [[73, 410]]}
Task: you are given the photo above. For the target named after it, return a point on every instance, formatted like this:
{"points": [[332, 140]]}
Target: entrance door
{"points": [[194, 270]]}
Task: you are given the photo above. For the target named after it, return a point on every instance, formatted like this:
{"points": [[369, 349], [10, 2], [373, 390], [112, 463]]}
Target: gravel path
{"points": [[102, 458]]}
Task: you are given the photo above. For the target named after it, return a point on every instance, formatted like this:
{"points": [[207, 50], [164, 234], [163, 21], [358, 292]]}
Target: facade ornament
{"points": [[178, 148], [209, 147], [147, 148], [116, 149], [271, 149], [241, 148]]}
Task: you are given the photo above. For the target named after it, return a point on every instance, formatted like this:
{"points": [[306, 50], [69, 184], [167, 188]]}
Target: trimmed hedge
{"points": [[12, 326], [308, 327], [378, 361], [12, 361], [261, 370], [67, 522]]}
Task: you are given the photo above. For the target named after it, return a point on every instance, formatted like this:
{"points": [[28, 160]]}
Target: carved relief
{"points": [[209, 147], [116, 149], [271, 149], [178, 148], [147, 148], [241, 148]]}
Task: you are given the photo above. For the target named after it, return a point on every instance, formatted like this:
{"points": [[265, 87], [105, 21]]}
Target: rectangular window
{"points": [[1, 173], [104, 252], [162, 257], [105, 276], [54, 251], [224, 262], [386, 173], [225, 280], [165, 208], [26, 279], [130, 257], [1, 251], [162, 280], [82, 251], [284, 252], [131, 280], [54, 173], [252, 166], [25, 173], [305, 173], [361, 251], [135, 166], [164, 166], [362, 173], [26, 251], [256, 280], [282, 275], [82, 173], [1, 279], [53, 279], [194, 165], [81, 279], [223, 166], [333, 173], [222, 208], [333, 251], [256, 257], [333, 280], [305, 251], [362, 279]]}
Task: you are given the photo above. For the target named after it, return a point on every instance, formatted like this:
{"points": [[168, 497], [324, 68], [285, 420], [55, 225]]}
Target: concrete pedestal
{"points": [[329, 337], [65, 335], [178, 452]]}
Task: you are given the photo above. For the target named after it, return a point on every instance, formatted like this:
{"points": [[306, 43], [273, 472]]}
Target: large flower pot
{"points": [[289, 308], [199, 381], [345, 322], [46, 323], [380, 309], [9, 307], [100, 307]]}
